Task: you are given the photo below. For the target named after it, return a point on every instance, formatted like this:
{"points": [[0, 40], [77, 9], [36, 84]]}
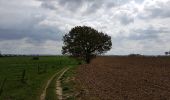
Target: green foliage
{"points": [[85, 42]]}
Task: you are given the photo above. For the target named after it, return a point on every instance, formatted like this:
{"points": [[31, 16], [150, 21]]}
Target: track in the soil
{"points": [[58, 88]]}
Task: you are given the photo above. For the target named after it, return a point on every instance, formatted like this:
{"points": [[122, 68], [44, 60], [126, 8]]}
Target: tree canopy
{"points": [[85, 42]]}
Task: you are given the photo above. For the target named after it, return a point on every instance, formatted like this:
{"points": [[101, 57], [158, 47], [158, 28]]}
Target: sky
{"points": [[37, 26]]}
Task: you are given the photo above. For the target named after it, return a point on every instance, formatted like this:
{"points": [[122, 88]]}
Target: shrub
{"points": [[35, 58]]}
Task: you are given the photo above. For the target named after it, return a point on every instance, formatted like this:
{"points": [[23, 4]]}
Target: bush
{"points": [[35, 58]]}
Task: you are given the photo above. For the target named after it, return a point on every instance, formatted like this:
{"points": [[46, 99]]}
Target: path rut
{"points": [[43, 95], [58, 85]]}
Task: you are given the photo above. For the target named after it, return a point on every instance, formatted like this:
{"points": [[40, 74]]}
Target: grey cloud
{"points": [[123, 2], [17, 23], [29, 28], [145, 34], [94, 6], [158, 10], [125, 17], [71, 5], [125, 20], [150, 41], [110, 5], [66, 2], [39, 35], [149, 33], [48, 4], [75, 5]]}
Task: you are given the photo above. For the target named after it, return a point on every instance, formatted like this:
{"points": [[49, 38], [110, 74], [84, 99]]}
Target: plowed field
{"points": [[125, 78]]}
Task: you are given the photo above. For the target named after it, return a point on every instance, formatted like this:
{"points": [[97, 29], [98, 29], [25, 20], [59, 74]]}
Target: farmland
{"points": [[125, 78], [23, 78], [105, 78]]}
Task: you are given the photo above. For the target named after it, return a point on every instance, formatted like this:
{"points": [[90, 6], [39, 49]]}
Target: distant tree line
{"points": [[135, 55]]}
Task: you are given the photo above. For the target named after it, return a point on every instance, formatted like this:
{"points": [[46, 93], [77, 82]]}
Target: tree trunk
{"points": [[87, 59]]}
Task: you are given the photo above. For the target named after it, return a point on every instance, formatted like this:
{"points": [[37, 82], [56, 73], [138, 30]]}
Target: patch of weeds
{"points": [[68, 84]]}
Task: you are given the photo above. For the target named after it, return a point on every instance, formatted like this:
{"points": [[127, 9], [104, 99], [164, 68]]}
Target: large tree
{"points": [[85, 42]]}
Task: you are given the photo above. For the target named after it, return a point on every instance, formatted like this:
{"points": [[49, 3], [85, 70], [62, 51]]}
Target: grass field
{"points": [[125, 78], [23, 78]]}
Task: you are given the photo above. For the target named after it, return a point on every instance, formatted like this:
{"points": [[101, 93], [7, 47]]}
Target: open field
{"points": [[106, 78], [125, 78], [23, 78]]}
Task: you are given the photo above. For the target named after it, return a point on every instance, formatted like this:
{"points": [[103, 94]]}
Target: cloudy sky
{"points": [[37, 26]]}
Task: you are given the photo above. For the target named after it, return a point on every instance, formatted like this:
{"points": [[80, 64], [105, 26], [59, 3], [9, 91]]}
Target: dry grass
{"points": [[126, 78]]}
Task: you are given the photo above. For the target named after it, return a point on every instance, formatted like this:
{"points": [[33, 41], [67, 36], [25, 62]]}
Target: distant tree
{"points": [[85, 42], [166, 53]]}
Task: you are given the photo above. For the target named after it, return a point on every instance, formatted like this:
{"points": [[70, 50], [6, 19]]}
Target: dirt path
{"points": [[58, 85], [43, 95]]}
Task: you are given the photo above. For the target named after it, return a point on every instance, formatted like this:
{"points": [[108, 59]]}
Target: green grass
{"points": [[51, 90], [12, 68]]}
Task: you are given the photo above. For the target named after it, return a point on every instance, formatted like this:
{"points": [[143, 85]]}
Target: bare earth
{"points": [[126, 78]]}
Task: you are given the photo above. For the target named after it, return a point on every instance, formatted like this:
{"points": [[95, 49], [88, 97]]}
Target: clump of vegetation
{"points": [[85, 42], [68, 84], [35, 58]]}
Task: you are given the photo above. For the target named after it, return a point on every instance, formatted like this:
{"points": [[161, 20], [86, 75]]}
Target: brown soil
{"points": [[125, 78]]}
